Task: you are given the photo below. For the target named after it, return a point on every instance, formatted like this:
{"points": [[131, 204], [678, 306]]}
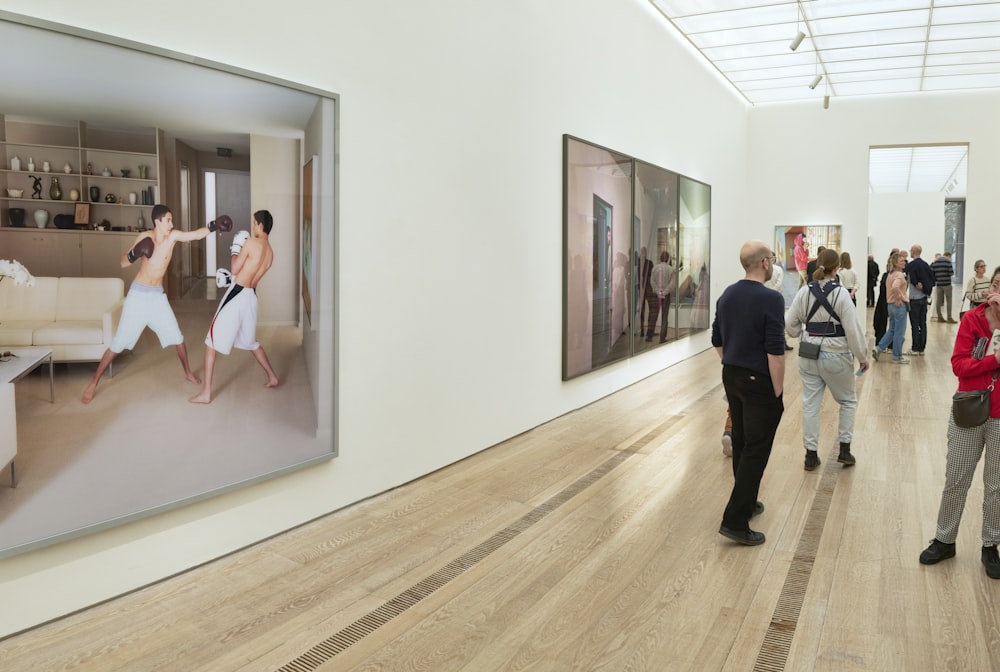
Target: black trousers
{"points": [[756, 413]]}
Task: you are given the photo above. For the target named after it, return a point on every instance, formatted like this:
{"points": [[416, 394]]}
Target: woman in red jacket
{"points": [[976, 370]]}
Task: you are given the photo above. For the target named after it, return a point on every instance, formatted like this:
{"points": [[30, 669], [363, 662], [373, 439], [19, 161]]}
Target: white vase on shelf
{"points": [[15, 163], [41, 218], [31, 165]]}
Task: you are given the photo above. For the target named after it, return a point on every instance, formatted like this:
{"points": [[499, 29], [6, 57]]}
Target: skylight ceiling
{"points": [[857, 47]]}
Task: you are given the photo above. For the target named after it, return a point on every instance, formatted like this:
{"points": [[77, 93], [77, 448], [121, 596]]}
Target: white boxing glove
{"points": [[223, 278], [238, 241]]}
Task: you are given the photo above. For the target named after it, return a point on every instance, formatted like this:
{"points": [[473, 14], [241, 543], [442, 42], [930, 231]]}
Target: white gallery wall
{"points": [[449, 285], [904, 219], [810, 166]]}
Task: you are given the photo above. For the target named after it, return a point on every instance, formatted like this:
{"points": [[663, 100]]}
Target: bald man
{"points": [[748, 333]]}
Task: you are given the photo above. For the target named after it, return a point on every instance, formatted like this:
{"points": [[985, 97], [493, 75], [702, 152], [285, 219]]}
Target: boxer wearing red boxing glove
{"points": [[146, 304]]}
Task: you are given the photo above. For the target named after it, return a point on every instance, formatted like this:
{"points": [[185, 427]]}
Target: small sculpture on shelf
{"points": [[125, 172], [55, 191], [110, 198], [36, 186], [90, 168]]}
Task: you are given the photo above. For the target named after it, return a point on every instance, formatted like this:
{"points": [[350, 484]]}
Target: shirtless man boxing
{"points": [[235, 321], [146, 304]]}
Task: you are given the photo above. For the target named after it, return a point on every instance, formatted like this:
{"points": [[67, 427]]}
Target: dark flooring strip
{"points": [[325, 650], [778, 641]]}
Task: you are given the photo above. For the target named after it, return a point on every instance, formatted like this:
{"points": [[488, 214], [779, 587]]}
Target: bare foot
{"points": [[272, 381], [204, 397], [191, 378], [88, 394]]}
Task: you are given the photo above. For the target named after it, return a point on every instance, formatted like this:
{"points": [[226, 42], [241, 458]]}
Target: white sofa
{"points": [[74, 317]]}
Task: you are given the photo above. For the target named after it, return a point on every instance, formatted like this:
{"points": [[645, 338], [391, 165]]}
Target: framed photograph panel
{"points": [[694, 218], [655, 263], [597, 235]]}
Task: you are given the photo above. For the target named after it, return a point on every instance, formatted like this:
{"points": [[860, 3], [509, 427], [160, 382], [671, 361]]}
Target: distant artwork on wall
{"points": [[795, 247], [635, 257]]}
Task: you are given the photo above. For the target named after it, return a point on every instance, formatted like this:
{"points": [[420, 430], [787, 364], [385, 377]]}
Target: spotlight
{"points": [[816, 80], [826, 102], [799, 36]]}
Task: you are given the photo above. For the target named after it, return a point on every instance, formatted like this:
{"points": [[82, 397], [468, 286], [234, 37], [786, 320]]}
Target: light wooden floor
{"points": [[590, 543]]}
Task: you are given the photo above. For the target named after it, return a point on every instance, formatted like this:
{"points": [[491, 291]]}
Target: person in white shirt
{"points": [[663, 283]]}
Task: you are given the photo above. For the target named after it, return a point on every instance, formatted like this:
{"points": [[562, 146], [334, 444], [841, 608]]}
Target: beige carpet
{"points": [[140, 444]]}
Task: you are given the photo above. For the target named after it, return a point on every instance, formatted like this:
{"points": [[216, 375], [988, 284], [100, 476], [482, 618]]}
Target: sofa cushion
{"points": [[20, 302], [87, 298], [70, 332], [17, 332]]}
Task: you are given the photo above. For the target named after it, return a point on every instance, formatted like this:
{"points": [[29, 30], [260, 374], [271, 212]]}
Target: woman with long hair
{"points": [[976, 368], [848, 278], [822, 313], [897, 303]]}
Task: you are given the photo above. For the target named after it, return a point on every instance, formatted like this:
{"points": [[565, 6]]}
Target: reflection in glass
{"points": [[597, 211]]}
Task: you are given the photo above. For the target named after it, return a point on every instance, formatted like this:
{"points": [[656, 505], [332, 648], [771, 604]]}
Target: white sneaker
{"points": [[901, 360], [727, 444]]}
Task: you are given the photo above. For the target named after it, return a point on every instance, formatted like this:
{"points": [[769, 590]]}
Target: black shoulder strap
{"points": [[821, 299]]}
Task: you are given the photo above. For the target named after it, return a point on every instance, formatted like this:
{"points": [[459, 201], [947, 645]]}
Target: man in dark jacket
{"points": [[921, 279], [872, 279]]}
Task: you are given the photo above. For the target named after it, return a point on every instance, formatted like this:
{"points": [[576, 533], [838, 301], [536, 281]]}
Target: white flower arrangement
{"points": [[14, 269]]}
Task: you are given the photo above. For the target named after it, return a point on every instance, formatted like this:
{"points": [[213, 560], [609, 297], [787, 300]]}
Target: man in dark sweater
{"points": [[749, 335], [872, 279], [921, 279], [943, 270]]}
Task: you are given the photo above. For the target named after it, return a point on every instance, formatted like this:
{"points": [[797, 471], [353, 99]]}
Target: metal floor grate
{"points": [[373, 620], [778, 641]]}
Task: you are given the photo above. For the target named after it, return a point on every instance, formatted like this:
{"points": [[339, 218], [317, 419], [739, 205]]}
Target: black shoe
{"points": [[788, 348], [938, 551], [846, 458], [758, 509], [745, 537], [812, 460], [992, 562]]}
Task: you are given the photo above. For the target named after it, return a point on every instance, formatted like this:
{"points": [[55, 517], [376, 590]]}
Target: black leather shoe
{"points": [[812, 460], [846, 458], [745, 537], [758, 509], [938, 551], [992, 562]]}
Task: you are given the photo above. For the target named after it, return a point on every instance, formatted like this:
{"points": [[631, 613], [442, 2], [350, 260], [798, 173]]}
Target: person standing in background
{"points": [[896, 304], [872, 279], [848, 278], [943, 270], [978, 286], [921, 282]]}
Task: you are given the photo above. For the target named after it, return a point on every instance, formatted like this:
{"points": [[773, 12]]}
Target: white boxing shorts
{"points": [[235, 321], [146, 306]]}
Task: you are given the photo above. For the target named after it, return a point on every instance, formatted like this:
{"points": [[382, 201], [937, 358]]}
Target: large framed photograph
{"points": [[597, 227], [97, 474]]}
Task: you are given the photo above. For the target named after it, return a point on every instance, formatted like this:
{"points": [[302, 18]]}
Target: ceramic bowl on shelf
{"points": [[15, 193]]}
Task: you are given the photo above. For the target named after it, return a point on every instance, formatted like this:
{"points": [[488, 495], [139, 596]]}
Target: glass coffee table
{"points": [[15, 364]]}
